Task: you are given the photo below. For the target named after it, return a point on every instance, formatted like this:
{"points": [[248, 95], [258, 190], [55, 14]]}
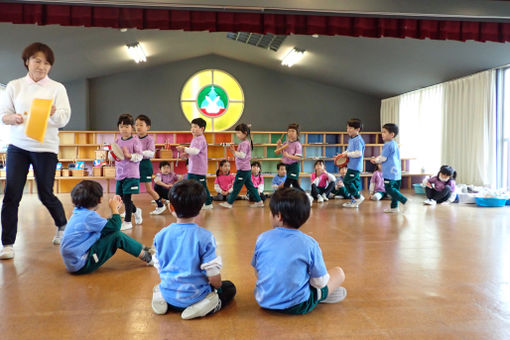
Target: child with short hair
{"points": [[258, 181], [376, 187], [340, 191], [197, 153], [224, 182], [164, 180], [89, 239], [441, 188], [142, 126], [291, 274], [391, 167], [355, 151], [127, 171], [280, 177], [292, 153], [322, 182], [243, 175], [186, 259]]}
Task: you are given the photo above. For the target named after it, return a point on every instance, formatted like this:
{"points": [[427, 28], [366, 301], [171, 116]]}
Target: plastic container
{"points": [[419, 189], [490, 201]]}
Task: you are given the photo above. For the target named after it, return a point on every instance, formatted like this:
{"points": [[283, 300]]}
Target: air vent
{"points": [[266, 41]]}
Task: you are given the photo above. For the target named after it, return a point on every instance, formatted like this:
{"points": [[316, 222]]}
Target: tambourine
{"points": [[341, 160], [116, 152]]}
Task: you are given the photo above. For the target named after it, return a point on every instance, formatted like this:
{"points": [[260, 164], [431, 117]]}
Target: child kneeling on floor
{"points": [[186, 260], [291, 274], [89, 239]]}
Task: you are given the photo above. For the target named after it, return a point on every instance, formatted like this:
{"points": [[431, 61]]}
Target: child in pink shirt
{"points": [[224, 181]]}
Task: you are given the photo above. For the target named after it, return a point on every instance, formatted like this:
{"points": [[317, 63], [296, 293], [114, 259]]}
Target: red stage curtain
{"points": [[118, 17]]}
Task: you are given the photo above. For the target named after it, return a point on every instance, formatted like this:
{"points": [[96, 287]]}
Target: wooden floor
{"points": [[433, 273]]}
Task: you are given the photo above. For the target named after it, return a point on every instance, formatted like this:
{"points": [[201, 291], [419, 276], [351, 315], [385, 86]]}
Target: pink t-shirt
{"points": [[324, 179], [244, 164], [147, 143], [257, 180], [198, 163], [294, 149], [127, 168], [225, 181]]}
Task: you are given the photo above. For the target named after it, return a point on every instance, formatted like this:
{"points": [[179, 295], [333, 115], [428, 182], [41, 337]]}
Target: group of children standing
{"points": [[291, 275]]}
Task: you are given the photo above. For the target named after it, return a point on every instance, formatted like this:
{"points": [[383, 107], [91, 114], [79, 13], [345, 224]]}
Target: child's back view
{"points": [[291, 274], [183, 252]]}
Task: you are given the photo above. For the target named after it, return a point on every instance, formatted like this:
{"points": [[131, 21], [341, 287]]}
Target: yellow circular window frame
{"points": [[213, 77]]}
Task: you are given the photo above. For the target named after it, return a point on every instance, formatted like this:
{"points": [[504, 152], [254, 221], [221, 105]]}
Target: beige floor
{"points": [[433, 273]]}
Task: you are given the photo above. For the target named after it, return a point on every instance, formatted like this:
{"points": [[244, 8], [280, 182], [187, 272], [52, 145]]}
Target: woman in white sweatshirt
{"points": [[16, 100]]}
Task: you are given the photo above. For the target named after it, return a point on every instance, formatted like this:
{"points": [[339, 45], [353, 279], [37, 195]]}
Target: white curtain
{"points": [[421, 128], [469, 128], [390, 111]]}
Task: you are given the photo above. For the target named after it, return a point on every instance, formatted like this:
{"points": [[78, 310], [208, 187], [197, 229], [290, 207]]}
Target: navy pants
{"points": [[18, 163]]}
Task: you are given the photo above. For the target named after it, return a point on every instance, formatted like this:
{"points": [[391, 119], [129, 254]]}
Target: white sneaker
{"points": [[211, 303], [244, 197], [126, 226], [351, 204], [325, 197], [332, 196], [138, 216], [58, 237], [392, 210], [123, 215], [320, 199], [429, 202], [376, 197], [207, 207], [445, 203], [358, 201], [335, 296], [224, 205], [258, 204], [157, 211], [159, 305], [7, 252]]}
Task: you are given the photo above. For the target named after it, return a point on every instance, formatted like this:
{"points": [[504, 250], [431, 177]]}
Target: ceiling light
{"points": [[293, 57], [315, 35], [136, 52]]}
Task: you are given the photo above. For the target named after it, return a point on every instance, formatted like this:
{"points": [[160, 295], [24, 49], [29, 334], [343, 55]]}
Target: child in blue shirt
{"points": [[186, 260], [280, 178], [355, 151], [89, 239], [391, 167], [291, 274]]}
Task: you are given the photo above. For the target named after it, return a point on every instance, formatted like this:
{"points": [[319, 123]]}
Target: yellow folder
{"points": [[38, 118]]}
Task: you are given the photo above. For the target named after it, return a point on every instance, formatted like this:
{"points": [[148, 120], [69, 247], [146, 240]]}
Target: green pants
{"points": [[341, 192], [202, 180], [111, 239], [308, 305], [392, 189], [243, 178], [352, 182]]}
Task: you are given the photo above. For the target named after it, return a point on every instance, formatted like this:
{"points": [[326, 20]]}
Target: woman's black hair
{"points": [[87, 194], [187, 198], [246, 130], [448, 171], [293, 206], [223, 161]]}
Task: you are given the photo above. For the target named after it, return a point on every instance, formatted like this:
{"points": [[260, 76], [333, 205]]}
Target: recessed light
{"points": [[123, 30]]}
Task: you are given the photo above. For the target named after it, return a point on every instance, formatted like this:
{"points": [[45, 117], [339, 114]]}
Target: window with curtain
{"points": [[504, 134]]}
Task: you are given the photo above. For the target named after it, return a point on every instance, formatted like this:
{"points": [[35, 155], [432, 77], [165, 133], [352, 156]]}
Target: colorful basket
{"points": [[490, 201]]}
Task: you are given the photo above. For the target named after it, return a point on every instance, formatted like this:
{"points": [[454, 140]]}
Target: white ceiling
{"points": [[379, 67]]}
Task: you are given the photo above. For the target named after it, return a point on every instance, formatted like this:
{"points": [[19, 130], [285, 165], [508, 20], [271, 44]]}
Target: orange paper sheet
{"points": [[38, 118]]}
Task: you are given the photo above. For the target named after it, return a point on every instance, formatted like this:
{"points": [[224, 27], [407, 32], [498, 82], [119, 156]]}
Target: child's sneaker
{"points": [[138, 216], [258, 204], [207, 207], [325, 197], [211, 303], [445, 203], [430, 202], [58, 237], [126, 225], [7, 253], [335, 296], [123, 215], [392, 210], [159, 305], [351, 204], [225, 205], [320, 199], [158, 210], [358, 201]]}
